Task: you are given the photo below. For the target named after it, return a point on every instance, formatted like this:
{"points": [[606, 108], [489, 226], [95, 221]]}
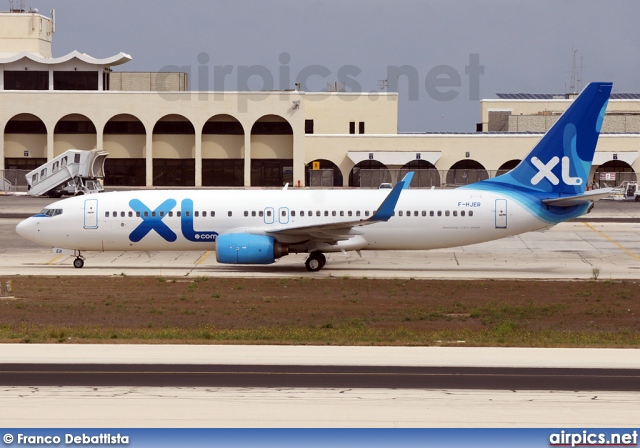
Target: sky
{"points": [[441, 56]]}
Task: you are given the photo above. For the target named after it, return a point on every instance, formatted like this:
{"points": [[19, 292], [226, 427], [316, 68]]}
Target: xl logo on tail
{"points": [[544, 171]]}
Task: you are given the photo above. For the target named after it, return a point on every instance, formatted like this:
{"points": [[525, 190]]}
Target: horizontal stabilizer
{"points": [[581, 199]]}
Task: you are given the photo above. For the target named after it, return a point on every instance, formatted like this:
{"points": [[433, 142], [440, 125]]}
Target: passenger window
{"points": [[153, 214], [122, 214], [230, 213], [439, 213], [455, 213], [137, 214], [204, 214], [269, 213], [301, 212], [366, 213], [253, 213], [318, 213], [431, 213], [213, 214], [349, 213], [446, 213], [106, 214], [333, 213], [283, 213], [415, 213], [170, 214], [326, 213], [178, 213], [424, 213], [358, 213], [470, 212], [131, 214], [462, 213], [400, 213], [341, 212], [246, 213], [293, 213], [196, 214], [261, 213], [408, 213], [187, 213]]}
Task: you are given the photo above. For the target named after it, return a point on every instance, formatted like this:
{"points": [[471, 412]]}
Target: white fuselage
{"points": [[424, 219]]}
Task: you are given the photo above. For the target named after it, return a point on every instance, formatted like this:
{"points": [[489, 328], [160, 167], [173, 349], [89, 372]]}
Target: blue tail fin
{"points": [[561, 161]]}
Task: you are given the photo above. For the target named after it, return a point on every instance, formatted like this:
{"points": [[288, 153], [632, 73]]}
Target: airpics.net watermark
{"points": [[440, 83]]}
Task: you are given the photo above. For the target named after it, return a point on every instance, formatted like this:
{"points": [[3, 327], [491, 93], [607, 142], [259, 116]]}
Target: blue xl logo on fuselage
{"points": [[152, 220]]}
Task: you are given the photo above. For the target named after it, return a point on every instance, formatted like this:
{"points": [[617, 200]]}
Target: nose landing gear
{"points": [[79, 261]]}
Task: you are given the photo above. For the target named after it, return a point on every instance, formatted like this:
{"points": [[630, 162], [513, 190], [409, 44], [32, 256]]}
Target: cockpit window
{"points": [[51, 212]]}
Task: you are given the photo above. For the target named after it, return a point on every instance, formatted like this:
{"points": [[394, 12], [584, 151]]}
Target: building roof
{"points": [[117, 59]]}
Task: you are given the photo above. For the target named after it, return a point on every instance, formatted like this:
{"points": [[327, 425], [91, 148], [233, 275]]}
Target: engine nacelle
{"points": [[245, 248]]}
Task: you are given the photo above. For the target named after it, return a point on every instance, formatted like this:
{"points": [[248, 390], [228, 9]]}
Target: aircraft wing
{"points": [[340, 230], [585, 198]]}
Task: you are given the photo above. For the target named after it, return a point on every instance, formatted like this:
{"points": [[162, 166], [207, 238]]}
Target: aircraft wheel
{"points": [[78, 263], [315, 262]]}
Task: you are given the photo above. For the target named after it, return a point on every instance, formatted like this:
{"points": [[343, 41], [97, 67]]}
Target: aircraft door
{"points": [[501, 213], [283, 215], [91, 214], [269, 215]]}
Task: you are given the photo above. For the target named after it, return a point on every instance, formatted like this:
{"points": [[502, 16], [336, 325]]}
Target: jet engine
{"points": [[245, 248]]}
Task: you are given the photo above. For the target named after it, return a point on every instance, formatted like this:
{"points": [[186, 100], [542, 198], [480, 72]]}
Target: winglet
{"points": [[388, 206], [407, 180]]}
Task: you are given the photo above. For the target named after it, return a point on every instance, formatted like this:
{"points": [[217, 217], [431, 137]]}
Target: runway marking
{"points": [[203, 257], [55, 259], [628, 252]]}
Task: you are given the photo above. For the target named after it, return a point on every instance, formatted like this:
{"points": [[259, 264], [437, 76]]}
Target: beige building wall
{"points": [[25, 31], [125, 146], [64, 142], [272, 146], [331, 112], [222, 146], [17, 144]]}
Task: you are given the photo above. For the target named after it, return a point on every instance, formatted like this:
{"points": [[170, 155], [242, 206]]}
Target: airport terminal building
{"points": [[158, 133]]}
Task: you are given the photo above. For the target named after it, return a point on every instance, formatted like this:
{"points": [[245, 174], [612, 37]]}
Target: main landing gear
{"points": [[316, 261], [79, 261]]}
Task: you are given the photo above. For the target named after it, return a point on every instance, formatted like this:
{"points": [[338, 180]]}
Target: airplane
{"points": [[261, 226]]}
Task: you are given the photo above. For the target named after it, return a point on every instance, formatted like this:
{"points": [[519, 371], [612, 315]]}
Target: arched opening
{"points": [[613, 173], [466, 172], [507, 166], [124, 138], [271, 152], [323, 173], [425, 174], [369, 174], [223, 152], [174, 143], [74, 131], [25, 143]]}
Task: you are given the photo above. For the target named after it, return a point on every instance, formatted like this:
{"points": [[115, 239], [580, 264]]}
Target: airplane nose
{"points": [[25, 229]]}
